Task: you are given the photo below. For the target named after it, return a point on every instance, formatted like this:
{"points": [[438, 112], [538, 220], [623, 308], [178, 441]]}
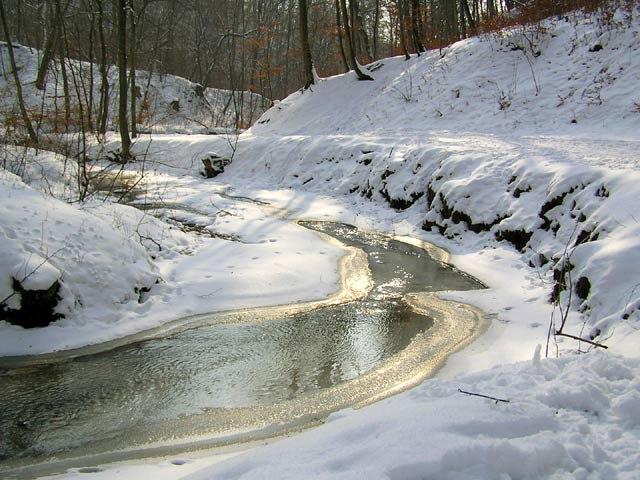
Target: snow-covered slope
{"points": [[528, 162], [571, 75], [165, 103], [553, 426], [45, 239], [520, 154], [528, 137]]}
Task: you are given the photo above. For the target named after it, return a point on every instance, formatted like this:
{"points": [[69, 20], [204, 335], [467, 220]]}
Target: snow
{"points": [[166, 103], [554, 426], [574, 417], [468, 148], [533, 79], [123, 271]]}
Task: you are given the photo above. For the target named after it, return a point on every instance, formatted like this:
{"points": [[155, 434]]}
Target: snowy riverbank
{"points": [[520, 166], [123, 271]]}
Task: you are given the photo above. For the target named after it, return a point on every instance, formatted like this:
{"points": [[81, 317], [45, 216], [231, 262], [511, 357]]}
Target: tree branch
{"points": [[595, 344], [483, 396]]}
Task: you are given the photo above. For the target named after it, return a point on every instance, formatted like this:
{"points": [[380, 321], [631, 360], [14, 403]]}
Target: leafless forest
{"points": [[270, 47], [255, 44]]}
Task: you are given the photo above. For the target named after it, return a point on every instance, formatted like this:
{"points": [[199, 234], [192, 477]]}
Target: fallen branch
{"points": [[144, 237], [484, 396], [595, 344], [222, 210]]}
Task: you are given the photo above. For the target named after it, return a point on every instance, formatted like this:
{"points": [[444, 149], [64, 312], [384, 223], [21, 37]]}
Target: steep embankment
{"points": [[528, 137]]}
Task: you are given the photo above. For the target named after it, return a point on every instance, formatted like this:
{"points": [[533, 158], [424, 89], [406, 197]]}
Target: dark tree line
{"points": [[243, 44], [271, 47]]}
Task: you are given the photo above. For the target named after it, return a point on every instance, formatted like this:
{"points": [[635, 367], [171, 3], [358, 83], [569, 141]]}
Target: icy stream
{"points": [[224, 380]]}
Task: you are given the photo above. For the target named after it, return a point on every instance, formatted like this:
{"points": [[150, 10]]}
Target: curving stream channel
{"points": [[225, 383]]}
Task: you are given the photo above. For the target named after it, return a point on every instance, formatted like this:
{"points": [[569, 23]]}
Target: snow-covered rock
{"points": [[46, 241], [517, 152]]}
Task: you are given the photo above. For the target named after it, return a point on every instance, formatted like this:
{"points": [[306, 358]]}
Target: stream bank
{"points": [[391, 342]]}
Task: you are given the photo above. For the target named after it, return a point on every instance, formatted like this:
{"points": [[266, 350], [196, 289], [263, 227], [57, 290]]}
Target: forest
{"points": [[382, 239], [263, 46]]}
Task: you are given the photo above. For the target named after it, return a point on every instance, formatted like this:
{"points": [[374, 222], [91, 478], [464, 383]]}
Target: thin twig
{"points": [[595, 344], [150, 239], [484, 396]]}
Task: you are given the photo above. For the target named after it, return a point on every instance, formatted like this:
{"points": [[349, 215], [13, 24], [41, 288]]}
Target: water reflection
{"points": [[49, 409]]}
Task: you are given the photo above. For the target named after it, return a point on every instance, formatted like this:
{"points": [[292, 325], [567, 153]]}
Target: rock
{"points": [[583, 287], [518, 238], [199, 90], [214, 165], [36, 306]]}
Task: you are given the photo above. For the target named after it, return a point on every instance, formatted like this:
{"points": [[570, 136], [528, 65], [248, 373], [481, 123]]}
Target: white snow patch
{"points": [[476, 142]]}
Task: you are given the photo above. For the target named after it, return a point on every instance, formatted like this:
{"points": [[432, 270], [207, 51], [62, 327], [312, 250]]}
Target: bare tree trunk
{"points": [[465, 12], [402, 24], [412, 21], [349, 20], [453, 18], [103, 109], [416, 30], [92, 36], [14, 69], [491, 8], [62, 49], [287, 50], [376, 28], [449, 20], [52, 34], [304, 43], [132, 74], [82, 177], [361, 39], [340, 42], [350, 46], [122, 74]]}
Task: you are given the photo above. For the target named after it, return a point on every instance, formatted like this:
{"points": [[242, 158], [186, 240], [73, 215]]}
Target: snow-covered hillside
{"points": [[518, 152], [529, 137], [566, 75], [165, 103]]}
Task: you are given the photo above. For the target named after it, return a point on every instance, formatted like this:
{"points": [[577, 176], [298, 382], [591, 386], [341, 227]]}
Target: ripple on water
{"points": [[231, 366]]}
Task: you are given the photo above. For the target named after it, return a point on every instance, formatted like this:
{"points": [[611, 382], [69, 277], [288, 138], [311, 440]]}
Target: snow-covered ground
{"points": [[518, 153], [122, 270], [165, 103]]}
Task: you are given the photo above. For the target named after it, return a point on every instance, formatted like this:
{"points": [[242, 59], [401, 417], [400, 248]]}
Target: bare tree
{"points": [[103, 109], [343, 56], [304, 41], [52, 32], [16, 78], [132, 71], [123, 7], [350, 45]]}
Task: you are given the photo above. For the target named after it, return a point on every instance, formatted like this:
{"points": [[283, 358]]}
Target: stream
{"points": [[223, 383]]}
